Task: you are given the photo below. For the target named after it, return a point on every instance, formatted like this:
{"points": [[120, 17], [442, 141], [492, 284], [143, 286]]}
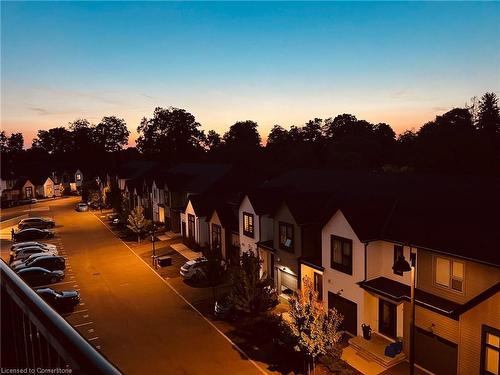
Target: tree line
{"points": [[462, 140]]}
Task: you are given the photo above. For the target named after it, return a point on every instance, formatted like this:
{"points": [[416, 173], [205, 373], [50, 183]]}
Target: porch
{"points": [[368, 356]]}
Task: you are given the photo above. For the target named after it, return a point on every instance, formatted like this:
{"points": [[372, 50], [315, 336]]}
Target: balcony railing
{"points": [[35, 337]]}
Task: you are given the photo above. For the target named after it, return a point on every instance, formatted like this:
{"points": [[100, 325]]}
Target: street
{"points": [[129, 312]]}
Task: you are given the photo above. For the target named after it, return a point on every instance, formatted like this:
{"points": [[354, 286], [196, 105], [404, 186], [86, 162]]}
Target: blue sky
{"points": [[276, 63]]}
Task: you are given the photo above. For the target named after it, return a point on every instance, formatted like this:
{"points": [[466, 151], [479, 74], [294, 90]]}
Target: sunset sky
{"points": [[275, 63]]}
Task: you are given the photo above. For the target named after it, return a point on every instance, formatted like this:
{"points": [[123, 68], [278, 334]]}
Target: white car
{"points": [[25, 252], [194, 269], [82, 207], [44, 245]]}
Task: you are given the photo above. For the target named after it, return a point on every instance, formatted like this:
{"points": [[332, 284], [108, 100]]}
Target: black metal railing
{"points": [[35, 337]]}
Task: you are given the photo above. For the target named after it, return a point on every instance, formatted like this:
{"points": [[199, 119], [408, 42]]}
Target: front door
{"points": [[387, 318]]}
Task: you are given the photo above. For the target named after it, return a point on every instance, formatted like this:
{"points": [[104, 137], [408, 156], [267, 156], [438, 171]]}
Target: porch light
{"points": [[401, 265]]}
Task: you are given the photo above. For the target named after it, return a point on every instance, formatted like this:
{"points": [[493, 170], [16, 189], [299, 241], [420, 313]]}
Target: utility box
{"points": [[164, 261]]}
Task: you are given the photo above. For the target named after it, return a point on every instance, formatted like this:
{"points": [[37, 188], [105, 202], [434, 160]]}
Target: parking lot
{"points": [[138, 319], [81, 317]]}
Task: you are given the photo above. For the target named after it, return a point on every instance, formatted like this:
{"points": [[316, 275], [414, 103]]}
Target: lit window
{"points": [[449, 273], [78, 176], [490, 351], [248, 228]]}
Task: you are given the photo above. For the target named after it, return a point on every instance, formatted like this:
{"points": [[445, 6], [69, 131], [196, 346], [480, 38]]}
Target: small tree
{"points": [[251, 293], [316, 328], [214, 268], [137, 223]]}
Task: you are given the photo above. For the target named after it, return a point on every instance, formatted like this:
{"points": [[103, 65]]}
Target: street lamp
{"points": [[401, 265], [153, 243]]}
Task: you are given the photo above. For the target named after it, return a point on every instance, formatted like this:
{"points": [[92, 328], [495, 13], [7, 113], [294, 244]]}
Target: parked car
{"points": [[82, 207], [37, 222], [43, 245], [194, 269], [224, 309], [35, 276], [25, 252], [48, 261], [61, 301], [32, 234]]}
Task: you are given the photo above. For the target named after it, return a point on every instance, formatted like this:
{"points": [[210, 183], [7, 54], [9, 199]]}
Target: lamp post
{"points": [[153, 232], [401, 265]]}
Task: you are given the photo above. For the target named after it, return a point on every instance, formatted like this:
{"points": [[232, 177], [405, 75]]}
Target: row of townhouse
{"points": [[345, 231], [38, 185]]}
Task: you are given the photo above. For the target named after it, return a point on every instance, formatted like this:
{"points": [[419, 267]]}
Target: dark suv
{"points": [[48, 261], [36, 222]]}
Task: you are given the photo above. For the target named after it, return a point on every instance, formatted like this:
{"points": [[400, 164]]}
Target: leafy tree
{"points": [[15, 142], [82, 134], [488, 116], [316, 328], [339, 126], [251, 293], [243, 134], [278, 137], [213, 140], [111, 133], [172, 132], [137, 223], [311, 132], [54, 141]]}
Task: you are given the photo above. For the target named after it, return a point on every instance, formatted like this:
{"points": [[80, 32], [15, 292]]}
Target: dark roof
{"points": [[227, 213], [135, 169], [203, 204], [265, 201], [194, 177], [397, 291]]}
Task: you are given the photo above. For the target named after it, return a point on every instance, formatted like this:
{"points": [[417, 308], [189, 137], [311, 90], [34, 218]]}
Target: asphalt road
{"points": [[140, 323]]}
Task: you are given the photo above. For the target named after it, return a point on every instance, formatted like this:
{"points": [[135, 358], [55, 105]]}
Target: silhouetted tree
{"points": [[111, 133], [241, 142], [213, 140], [54, 141], [278, 137], [172, 132], [11, 144], [488, 116]]}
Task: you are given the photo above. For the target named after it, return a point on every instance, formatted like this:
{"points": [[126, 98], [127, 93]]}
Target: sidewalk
{"points": [[185, 251]]}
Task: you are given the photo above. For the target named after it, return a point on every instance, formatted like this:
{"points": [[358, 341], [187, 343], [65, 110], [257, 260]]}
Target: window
{"points": [[248, 224], [29, 192], [398, 252], [190, 226], [78, 176], [286, 236], [341, 254], [490, 351], [216, 235], [449, 273]]}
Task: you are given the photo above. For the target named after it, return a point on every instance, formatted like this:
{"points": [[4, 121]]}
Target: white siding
{"points": [[336, 281], [248, 243]]}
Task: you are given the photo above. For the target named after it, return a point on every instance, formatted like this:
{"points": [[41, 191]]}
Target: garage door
{"points": [[288, 282], [435, 354], [348, 309]]}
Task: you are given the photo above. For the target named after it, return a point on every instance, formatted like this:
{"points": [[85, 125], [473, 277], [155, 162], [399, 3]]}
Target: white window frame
{"points": [[448, 287]]}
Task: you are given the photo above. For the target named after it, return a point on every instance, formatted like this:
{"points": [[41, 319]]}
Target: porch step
{"points": [[373, 350]]}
